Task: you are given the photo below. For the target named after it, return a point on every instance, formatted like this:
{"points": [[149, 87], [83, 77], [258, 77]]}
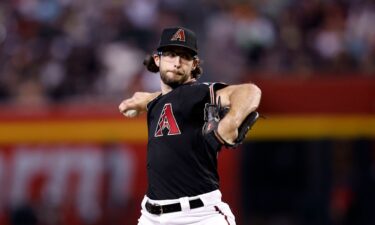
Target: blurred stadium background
{"points": [[68, 158]]}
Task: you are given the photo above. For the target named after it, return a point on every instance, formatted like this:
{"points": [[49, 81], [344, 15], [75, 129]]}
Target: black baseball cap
{"points": [[178, 36]]}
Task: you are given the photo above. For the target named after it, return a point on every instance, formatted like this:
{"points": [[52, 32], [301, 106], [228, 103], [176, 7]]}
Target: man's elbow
{"points": [[255, 89], [255, 94]]}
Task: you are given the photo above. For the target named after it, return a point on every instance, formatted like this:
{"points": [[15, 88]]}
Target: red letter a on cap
{"points": [[167, 121], [179, 35]]}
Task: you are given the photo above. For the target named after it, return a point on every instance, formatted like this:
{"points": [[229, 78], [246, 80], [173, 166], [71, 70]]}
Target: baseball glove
{"points": [[213, 113]]}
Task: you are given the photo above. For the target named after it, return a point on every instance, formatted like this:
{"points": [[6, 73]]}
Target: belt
{"points": [[176, 207]]}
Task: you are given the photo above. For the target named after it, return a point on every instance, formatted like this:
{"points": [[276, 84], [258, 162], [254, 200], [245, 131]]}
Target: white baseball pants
{"points": [[213, 212]]}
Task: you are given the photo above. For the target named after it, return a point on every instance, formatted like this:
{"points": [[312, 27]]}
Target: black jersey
{"points": [[179, 162]]}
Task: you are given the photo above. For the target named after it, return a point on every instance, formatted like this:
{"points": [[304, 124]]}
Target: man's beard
{"points": [[173, 83]]}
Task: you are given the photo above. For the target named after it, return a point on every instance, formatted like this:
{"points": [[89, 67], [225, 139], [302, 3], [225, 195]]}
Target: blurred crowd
{"points": [[85, 50]]}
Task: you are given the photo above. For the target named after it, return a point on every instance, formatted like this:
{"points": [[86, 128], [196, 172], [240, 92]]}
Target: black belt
{"points": [[160, 209]]}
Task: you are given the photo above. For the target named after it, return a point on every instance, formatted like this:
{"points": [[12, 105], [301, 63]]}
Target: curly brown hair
{"points": [[149, 62]]}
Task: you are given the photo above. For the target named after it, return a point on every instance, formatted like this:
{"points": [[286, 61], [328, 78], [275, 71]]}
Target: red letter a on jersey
{"points": [[167, 121]]}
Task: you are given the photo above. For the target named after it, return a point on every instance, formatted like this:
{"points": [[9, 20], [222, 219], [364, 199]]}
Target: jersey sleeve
{"points": [[213, 87]]}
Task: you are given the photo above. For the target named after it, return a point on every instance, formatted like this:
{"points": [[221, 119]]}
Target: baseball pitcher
{"points": [[188, 123]]}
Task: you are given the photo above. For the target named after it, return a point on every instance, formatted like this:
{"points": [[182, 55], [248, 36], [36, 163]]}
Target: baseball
{"points": [[131, 113]]}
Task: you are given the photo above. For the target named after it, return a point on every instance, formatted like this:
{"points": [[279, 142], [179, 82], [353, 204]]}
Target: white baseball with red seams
{"points": [[214, 211], [131, 113]]}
